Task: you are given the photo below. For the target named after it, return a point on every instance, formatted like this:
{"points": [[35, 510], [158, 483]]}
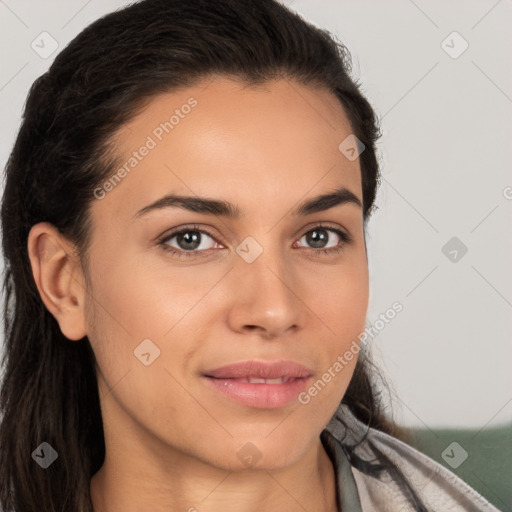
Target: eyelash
{"points": [[345, 239]]}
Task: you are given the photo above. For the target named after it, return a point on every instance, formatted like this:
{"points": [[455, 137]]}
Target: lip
{"points": [[232, 381], [260, 369]]}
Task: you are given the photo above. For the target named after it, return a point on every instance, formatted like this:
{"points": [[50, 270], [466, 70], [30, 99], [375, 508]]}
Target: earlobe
{"points": [[58, 277]]}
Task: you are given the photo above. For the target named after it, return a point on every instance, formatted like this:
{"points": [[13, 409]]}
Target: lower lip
{"points": [[264, 396]]}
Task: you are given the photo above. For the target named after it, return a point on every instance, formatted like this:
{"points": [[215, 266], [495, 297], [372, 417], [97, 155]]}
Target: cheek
{"points": [[339, 298], [142, 314], [137, 362], [148, 297]]}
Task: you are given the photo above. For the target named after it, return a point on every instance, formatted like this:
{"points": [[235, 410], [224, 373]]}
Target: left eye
{"points": [[318, 236], [190, 241]]}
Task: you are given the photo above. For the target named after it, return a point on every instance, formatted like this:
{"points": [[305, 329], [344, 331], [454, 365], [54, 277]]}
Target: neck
{"points": [[181, 483]]}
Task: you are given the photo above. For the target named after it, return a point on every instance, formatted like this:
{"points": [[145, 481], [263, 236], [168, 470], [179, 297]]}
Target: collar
{"points": [[347, 495]]}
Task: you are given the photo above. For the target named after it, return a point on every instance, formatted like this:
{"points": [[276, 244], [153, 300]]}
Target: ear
{"points": [[58, 277]]}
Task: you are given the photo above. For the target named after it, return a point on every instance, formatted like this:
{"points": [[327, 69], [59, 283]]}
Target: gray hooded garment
{"points": [[438, 488]]}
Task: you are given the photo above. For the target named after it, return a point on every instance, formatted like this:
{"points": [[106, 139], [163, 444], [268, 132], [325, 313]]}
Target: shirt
{"points": [[356, 491]]}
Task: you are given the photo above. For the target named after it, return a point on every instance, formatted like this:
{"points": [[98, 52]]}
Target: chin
{"points": [[259, 453]]}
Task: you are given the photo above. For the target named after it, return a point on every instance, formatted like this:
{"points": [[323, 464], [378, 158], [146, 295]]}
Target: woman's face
{"points": [[264, 287]]}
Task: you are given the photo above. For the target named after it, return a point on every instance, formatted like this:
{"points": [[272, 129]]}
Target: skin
{"points": [[171, 440]]}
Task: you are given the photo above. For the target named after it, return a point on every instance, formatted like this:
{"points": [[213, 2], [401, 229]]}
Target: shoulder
{"points": [[436, 486]]}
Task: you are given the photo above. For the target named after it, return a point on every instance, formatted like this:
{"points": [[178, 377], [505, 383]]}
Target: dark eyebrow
{"points": [[227, 209], [324, 202]]}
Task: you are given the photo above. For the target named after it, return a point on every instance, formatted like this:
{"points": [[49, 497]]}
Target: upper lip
{"points": [[260, 369]]}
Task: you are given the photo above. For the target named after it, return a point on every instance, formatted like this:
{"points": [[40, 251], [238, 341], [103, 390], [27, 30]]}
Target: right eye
{"points": [[190, 241]]}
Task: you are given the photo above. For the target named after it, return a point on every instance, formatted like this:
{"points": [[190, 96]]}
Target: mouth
{"points": [[257, 380], [264, 385]]}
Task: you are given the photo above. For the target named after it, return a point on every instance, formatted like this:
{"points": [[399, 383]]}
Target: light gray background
{"points": [[446, 160]]}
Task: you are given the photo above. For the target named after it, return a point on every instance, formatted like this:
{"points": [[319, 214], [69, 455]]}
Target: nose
{"points": [[266, 296]]}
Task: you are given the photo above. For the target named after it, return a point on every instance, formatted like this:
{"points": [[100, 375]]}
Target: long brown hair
{"points": [[61, 154]]}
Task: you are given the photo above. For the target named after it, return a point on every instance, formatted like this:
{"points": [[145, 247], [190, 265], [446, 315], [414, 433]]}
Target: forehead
{"points": [[273, 143]]}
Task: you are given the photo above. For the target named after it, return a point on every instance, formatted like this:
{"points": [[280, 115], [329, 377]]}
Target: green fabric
{"points": [[488, 467]]}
